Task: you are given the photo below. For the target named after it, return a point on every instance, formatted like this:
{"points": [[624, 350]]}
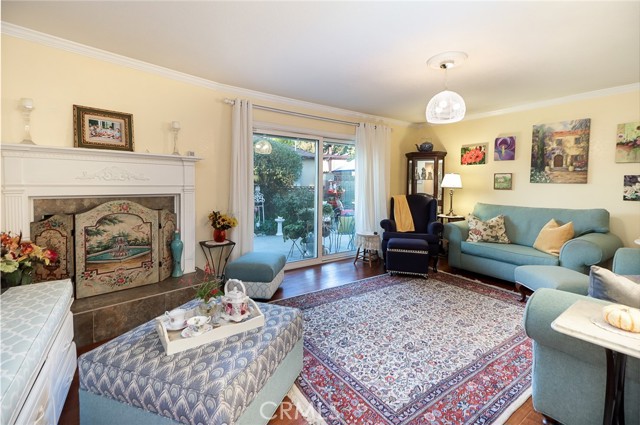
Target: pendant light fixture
{"points": [[447, 106], [262, 146]]}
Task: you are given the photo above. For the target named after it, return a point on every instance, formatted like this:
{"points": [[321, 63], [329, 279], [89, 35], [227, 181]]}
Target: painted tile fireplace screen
{"points": [[120, 245]]}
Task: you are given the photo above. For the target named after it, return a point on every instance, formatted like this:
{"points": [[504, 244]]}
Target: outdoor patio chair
{"points": [[346, 228]]}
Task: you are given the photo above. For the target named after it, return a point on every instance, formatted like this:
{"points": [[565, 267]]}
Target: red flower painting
{"points": [[474, 154]]}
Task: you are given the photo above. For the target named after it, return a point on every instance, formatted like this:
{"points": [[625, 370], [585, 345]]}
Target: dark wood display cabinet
{"points": [[425, 171]]}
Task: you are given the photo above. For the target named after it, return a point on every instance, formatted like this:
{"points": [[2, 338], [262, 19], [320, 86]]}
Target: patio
{"points": [[332, 244]]}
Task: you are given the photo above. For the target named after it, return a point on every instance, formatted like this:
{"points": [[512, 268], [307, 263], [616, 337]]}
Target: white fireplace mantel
{"points": [[43, 172]]}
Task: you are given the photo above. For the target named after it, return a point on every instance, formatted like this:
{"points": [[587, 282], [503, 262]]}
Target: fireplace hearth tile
{"points": [[112, 321], [83, 329], [102, 317]]}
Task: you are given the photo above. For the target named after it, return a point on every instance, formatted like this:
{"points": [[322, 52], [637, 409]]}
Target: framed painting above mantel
{"points": [[102, 129]]}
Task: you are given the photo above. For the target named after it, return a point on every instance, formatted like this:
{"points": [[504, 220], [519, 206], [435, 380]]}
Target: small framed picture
{"points": [[502, 181], [102, 129], [474, 154]]}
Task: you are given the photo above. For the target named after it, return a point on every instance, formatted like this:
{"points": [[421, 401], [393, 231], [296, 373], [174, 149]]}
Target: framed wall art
{"points": [[631, 188], [102, 129], [474, 154], [560, 152], [502, 181], [504, 149], [628, 142]]}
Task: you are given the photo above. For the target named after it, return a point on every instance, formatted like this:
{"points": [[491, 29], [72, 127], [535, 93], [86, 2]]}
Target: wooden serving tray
{"points": [[173, 341]]}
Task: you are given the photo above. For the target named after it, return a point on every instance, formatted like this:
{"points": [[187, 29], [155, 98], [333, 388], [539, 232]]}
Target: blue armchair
{"points": [[424, 211], [569, 375]]}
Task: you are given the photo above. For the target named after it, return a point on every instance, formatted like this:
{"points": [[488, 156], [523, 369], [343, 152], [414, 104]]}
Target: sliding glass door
{"points": [[304, 197]]}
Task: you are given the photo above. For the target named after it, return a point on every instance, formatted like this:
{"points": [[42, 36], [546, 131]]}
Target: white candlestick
{"points": [[175, 125], [26, 103]]}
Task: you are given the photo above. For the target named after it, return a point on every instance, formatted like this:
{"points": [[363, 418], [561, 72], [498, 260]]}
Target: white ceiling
{"points": [[363, 56]]}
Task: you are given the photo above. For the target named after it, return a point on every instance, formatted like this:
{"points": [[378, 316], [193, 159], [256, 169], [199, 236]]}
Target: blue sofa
{"points": [[569, 375], [592, 244]]}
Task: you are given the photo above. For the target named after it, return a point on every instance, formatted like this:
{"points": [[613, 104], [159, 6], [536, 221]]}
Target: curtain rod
{"points": [[295, 114]]}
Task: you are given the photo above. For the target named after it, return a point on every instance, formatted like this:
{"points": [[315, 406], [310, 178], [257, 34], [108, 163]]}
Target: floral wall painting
{"points": [[631, 188], [474, 154], [502, 181], [505, 149], [560, 152], [628, 142]]}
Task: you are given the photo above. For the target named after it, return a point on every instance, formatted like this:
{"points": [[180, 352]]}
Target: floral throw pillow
{"points": [[491, 230]]}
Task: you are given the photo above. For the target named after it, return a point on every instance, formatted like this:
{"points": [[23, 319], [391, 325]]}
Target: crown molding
{"points": [[103, 55], [558, 101]]}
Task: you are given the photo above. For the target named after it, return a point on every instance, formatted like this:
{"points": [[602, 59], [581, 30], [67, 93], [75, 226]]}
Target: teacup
{"points": [[197, 323], [176, 317]]}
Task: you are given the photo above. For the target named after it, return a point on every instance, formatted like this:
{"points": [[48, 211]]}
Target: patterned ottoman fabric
{"points": [[261, 273], [212, 384], [24, 343]]}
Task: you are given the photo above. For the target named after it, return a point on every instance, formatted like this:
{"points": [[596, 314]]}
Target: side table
{"points": [[444, 219], [578, 321], [369, 244], [450, 218], [217, 254]]}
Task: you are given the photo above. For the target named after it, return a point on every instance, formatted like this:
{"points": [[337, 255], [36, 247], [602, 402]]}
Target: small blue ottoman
{"points": [[408, 256], [261, 273], [555, 277]]}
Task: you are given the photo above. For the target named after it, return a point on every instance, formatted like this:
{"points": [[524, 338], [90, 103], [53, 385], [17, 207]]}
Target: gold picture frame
{"points": [[102, 129]]}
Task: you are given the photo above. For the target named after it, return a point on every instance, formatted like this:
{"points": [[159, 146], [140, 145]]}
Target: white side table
{"points": [[369, 244], [578, 321]]}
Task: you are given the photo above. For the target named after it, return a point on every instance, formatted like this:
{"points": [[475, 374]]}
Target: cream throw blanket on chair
{"points": [[402, 214]]}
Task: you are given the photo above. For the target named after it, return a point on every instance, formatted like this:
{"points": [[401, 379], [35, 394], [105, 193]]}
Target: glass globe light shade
{"points": [[445, 107], [262, 147]]}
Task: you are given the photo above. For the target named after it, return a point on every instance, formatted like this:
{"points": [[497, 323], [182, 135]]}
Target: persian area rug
{"points": [[400, 351]]}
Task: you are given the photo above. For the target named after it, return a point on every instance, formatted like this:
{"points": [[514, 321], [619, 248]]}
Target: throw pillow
{"points": [[552, 236], [491, 230], [606, 285]]}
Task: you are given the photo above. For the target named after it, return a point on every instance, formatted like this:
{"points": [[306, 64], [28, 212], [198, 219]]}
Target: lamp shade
{"points": [[452, 181], [446, 107], [262, 147]]}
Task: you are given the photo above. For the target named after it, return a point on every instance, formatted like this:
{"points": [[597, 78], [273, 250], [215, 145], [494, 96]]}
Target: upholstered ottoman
{"points": [[239, 380], [555, 277], [261, 273], [408, 256]]}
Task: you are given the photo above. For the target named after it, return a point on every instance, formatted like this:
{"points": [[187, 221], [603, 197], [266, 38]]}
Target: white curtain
{"points": [[241, 194], [372, 176]]}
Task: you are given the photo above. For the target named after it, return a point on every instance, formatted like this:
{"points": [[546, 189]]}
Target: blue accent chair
{"points": [[569, 375], [424, 211]]}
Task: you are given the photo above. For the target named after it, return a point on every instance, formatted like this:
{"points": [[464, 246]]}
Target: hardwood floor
{"points": [[310, 279]]}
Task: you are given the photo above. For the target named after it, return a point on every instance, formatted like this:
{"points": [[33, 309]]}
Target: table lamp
{"points": [[451, 181]]}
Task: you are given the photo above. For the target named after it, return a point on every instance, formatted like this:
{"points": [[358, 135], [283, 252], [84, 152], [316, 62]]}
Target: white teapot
{"points": [[235, 303]]}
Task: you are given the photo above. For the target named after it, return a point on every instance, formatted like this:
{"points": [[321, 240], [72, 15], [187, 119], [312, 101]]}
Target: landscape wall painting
{"points": [[560, 152]]}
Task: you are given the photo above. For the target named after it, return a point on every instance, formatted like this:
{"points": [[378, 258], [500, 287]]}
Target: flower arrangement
{"points": [[221, 221], [210, 286], [18, 256]]}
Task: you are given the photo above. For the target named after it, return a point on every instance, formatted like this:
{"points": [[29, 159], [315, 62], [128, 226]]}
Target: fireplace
{"points": [[37, 180], [40, 181]]}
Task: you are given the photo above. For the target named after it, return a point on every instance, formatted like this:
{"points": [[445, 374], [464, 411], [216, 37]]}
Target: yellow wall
{"points": [[605, 176], [57, 79]]}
